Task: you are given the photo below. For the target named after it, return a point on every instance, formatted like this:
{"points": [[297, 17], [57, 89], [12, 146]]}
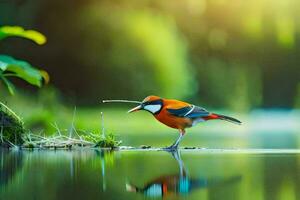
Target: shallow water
{"points": [[187, 174]]}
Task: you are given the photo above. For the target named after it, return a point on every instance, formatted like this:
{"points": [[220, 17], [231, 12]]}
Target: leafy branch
{"points": [[11, 67]]}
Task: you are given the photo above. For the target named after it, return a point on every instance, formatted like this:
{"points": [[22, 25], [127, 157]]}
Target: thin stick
{"points": [[120, 101], [10, 110], [72, 125], [56, 127], [102, 125], [12, 144]]}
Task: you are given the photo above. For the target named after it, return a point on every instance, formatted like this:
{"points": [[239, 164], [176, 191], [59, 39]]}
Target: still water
{"points": [[140, 174]]}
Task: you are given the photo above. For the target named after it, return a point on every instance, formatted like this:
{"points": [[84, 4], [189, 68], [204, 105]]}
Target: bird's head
{"points": [[152, 104]]}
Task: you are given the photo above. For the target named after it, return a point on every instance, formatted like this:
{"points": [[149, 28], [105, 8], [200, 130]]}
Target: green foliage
{"points": [[11, 67], [11, 129], [17, 31], [107, 141]]}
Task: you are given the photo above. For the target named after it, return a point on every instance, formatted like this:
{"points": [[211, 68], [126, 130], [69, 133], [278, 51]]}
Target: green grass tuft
{"points": [[11, 129], [107, 141]]}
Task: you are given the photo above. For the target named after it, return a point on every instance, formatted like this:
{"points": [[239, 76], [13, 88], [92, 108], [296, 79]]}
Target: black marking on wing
{"points": [[189, 112]]}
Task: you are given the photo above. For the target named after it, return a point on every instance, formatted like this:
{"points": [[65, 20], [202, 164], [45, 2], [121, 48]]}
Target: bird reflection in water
{"points": [[178, 184]]}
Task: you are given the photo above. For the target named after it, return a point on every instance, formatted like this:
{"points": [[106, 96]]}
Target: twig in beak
{"points": [[121, 101]]}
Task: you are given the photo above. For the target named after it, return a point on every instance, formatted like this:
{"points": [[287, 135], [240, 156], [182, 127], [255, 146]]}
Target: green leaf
{"points": [[11, 88], [22, 70], [9, 31]]}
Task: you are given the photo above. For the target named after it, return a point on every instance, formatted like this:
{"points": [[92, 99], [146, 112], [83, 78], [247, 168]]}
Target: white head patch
{"points": [[152, 108]]}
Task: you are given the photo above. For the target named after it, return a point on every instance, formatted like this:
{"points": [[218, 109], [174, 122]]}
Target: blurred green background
{"points": [[237, 56]]}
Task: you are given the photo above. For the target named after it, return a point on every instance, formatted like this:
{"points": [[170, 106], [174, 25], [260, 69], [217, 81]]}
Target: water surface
{"points": [[187, 174]]}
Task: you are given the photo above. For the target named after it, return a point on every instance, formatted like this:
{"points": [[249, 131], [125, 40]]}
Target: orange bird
{"points": [[178, 114]]}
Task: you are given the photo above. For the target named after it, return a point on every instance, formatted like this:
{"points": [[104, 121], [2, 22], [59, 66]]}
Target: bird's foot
{"points": [[170, 148]]}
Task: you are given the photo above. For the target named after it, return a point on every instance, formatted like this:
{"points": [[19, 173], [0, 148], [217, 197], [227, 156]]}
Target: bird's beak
{"points": [[139, 107]]}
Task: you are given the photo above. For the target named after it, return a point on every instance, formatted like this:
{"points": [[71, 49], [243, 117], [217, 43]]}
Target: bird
{"points": [[177, 114]]}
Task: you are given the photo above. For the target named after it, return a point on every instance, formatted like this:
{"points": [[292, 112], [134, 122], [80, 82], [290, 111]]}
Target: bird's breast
{"points": [[173, 121]]}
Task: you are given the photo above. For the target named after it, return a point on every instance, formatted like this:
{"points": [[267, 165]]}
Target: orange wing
{"points": [[170, 120], [175, 104]]}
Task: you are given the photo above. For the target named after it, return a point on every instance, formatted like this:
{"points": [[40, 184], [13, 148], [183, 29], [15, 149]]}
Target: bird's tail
{"points": [[227, 118]]}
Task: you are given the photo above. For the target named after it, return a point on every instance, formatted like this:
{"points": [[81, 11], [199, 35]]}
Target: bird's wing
{"points": [[189, 112]]}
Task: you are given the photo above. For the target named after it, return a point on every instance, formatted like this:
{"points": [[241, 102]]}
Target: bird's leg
{"points": [[174, 146]]}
